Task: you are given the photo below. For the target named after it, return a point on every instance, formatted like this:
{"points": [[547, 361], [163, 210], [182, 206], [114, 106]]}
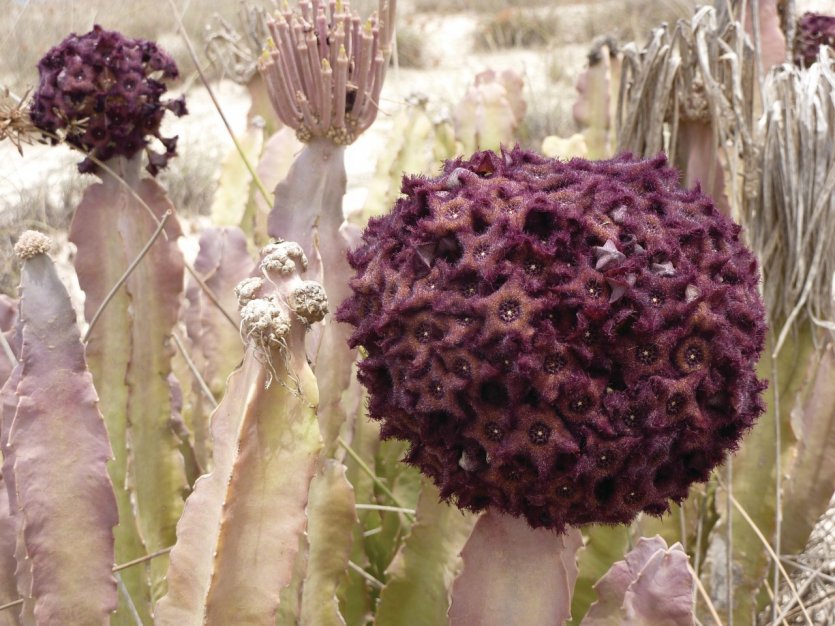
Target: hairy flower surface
{"points": [[813, 31], [572, 342], [101, 92]]}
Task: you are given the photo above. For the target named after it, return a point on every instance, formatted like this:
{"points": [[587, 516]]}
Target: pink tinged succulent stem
{"points": [[8, 540], [348, 29], [129, 355], [697, 146], [20, 583], [356, 28], [307, 112], [308, 208], [767, 32], [314, 186], [375, 43], [592, 108], [514, 574], [337, 43], [239, 534], [61, 449], [307, 76], [285, 75], [272, 79], [652, 585], [306, 10]]}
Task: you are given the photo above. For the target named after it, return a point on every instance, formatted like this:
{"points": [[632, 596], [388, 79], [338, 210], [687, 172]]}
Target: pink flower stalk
{"points": [[324, 68], [569, 342]]}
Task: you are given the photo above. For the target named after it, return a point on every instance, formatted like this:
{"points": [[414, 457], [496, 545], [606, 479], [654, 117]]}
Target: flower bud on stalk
{"points": [[571, 342], [813, 31]]}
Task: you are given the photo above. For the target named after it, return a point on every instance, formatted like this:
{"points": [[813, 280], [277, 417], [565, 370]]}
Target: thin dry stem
{"points": [[705, 596], [773, 555], [7, 350], [116, 569], [204, 387], [364, 467], [374, 582]]}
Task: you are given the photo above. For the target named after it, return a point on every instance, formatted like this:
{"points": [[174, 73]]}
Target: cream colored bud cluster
{"points": [[270, 306], [32, 243], [324, 68]]}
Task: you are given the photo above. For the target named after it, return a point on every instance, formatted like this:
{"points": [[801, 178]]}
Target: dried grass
{"points": [[814, 576], [699, 67], [791, 218]]}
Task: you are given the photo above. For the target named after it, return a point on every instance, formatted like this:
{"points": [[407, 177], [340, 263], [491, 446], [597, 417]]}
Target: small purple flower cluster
{"points": [[101, 92], [572, 342], [813, 31]]}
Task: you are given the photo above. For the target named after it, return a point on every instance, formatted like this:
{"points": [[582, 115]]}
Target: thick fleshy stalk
{"points": [[515, 574], [239, 534], [652, 585], [324, 72], [129, 354], [489, 114], [597, 89], [58, 448]]}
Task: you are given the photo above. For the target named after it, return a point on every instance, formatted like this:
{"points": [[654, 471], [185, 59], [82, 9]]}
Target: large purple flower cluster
{"points": [[813, 31], [572, 342], [102, 93]]}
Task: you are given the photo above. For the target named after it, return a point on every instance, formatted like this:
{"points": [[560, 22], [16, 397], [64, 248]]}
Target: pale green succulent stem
{"points": [[744, 514], [364, 467]]}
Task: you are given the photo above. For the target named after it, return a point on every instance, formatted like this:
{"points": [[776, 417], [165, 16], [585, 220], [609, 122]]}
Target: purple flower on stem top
{"points": [[101, 93], [572, 342], [813, 31]]}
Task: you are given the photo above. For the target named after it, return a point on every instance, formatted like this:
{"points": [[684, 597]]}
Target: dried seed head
{"points": [[31, 243], [282, 257], [265, 322], [309, 301], [247, 289], [15, 123], [545, 365]]}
